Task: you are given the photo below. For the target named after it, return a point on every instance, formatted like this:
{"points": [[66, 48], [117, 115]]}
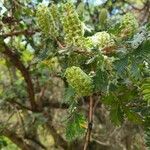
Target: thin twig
{"points": [[89, 130], [83, 52], [61, 46], [76, 50], [14, 58], [22, 32]]}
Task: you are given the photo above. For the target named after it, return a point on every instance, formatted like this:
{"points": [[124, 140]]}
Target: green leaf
{"points": [[70, 98], [109, 99], [121, 65], [101, 80], [115, 29], [135, 70], [142, 52], [133, 116], [69, 94], [75, 127], [146, 90], [116, 114]]}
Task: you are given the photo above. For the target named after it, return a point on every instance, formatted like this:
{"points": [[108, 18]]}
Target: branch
{"points": [[19, 105], [22, 32], [52, 105], [56, 105], [25, 73], [89, 130], [106, 144]]}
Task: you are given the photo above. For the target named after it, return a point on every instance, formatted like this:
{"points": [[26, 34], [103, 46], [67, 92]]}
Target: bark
{"points": [[14, 58]]}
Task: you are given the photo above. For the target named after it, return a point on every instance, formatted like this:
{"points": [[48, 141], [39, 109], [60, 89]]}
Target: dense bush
{"points": [[85, 54]]}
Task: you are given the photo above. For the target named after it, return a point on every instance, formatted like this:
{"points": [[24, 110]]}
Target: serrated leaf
{"points": [[133, 116], [101, 81], [109, 99], [69, 94], [116, 114], [121, 65], [135, 71], [146, 89], [75, 127]]}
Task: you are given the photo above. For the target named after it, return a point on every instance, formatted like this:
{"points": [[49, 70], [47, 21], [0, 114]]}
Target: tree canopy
{"points": [[75, 74]]}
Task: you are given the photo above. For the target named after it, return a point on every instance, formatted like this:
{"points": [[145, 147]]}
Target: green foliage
{"points": [[118, 102], [6, 144], [89, 48], [146, 90], [121, 65], [132, 116], [3, 143], [76, 126], [103, 16], [101, 80], [116, 111], [69, 95], [116, 114]]}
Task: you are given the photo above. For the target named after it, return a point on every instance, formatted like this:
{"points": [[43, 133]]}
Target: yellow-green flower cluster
{"points": [[88, 43], [103, 17], [79, 80], [103, 39], [129, 25], [72, 25], [85, 43], [52, 63], [46, 21], [55, 12]]}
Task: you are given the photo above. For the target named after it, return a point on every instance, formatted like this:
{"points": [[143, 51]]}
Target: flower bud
{"points": [[103, 17], [72, 25], [46, 21], [129, 25], [79, 80], [103, 39]]}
